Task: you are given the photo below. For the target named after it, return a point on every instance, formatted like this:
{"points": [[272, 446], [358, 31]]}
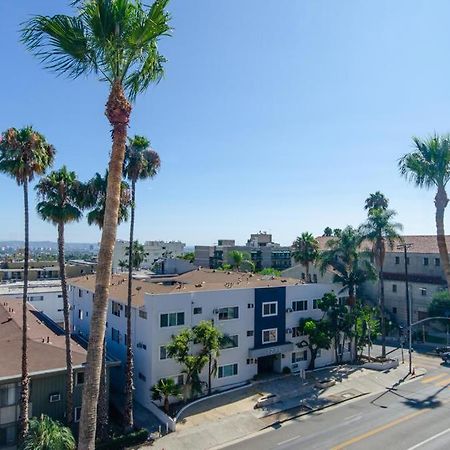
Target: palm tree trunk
{"points": [[209, 373], [128, 414], [382, 314], [69, 370], [118, 111], [307, 272], [441, 201], [25, 381], [103, 401]]}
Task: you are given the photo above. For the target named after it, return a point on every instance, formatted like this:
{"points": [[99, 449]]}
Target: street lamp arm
{"points": [[427, 319]]}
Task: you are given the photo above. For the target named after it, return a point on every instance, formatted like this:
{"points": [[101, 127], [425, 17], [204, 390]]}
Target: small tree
{"points": [[367, 326], [163, 390], [238, 259], [319, 336], [440, 305], [327, 232], [45, 434], [206, 334]]}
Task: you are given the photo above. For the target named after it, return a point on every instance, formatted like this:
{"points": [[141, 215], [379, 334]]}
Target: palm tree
{"points": [[116, 40], [327, 232], [141, 163], [210, 338], [429, 166], [376, 201], [61, 197], [123, 264], [24, 153], [381, 230], [95, 192], [239, 259], [343, 257], [46, 433], [305, 251], [164, 389]]}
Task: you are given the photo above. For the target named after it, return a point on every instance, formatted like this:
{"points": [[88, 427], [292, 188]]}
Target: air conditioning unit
{"points": [[288, 330], [289, 310], [54, 398]]}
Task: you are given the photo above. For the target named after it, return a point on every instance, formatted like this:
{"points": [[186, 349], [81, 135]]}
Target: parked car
{"points": [[266, 400], [445, 357], [443, 349]]}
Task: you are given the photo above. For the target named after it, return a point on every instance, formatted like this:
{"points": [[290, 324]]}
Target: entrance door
{"points": [[265, 364]]}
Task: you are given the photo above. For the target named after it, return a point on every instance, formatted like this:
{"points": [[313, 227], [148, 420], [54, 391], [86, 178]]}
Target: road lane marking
{"points": [[432, 438], [379, 429], [442, 382], [431, 379], [288, 440]]}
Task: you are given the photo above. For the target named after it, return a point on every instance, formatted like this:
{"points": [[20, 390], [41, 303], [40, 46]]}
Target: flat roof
{"points": [[193, 281], [46, 349]]}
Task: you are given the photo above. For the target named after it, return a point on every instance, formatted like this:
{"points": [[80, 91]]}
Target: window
{"points": [[77, 414], [179, 379], [171, 319], [423, 292], [142, 377], [115, 308], [300, 305], [143, 314], [314, 278], [394, 310], [197, 310], [115, 335], [80, 314], [296, 332], [250, 305], [425, 261], [229, 313], [349, 346], [299, 356], [163, 352], [316, 303], [59, 295], [269, 336], [228, 370], [9, 394], [250, 333], [8, 435], [36, 298], [79, 378], [407, 260], [397, 260], [80, 293], [437, 262], [269, 309], [230, 342], [53, 398], [394, 288]]}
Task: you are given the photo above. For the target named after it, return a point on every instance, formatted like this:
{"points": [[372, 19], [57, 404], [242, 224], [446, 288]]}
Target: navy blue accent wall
{"points": [[270, 294]]}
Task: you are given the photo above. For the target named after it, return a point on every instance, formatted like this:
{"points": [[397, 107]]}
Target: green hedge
{"points": [[123, 441]]}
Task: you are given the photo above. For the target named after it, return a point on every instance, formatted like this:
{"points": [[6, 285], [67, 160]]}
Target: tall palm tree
{"points": [[118, 41], [429, 166], [24, 153], [305, 251], [141, 163], [61, 197], [381, 231], [376, 201], [95, 192]]}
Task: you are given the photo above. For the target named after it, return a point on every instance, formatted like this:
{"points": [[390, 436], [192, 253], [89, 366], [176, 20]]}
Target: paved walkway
{"points": [[229, 417]]}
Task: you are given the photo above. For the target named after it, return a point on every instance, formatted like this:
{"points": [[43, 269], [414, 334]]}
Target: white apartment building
{"points": [[44, 295], [259, 314], [156, 250]]}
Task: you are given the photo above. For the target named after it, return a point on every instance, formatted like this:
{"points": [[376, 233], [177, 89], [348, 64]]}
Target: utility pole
{"points": [[405, 248]]}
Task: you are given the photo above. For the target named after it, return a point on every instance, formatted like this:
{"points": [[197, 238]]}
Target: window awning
{"points": [[270, 350]]}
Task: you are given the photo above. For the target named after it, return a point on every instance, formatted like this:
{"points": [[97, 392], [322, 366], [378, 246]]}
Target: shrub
{"points": [[126, 440], [286, 370]]}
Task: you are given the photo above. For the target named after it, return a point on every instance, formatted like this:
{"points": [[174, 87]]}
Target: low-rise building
{"points": [[155, 251], [264, 253], [46, 365], [259, 313]]}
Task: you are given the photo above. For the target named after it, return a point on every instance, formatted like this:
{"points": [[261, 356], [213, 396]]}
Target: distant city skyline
{"points": [[282, 118]]}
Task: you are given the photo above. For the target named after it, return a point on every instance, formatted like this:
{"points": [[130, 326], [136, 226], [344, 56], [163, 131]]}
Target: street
{"points": [[411, 416]]}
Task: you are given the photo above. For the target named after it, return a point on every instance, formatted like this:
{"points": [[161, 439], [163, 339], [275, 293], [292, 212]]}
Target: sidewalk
{"points": [[211, 428]]}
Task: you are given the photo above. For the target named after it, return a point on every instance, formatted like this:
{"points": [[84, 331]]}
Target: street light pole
{"points": [[405, 248]]}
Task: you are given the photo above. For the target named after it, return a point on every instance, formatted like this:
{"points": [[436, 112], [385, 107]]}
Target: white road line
{"points": [[288, 440], [432, 438]]}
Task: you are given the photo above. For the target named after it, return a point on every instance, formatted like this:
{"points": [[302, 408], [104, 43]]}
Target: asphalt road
{"points": [[414, 416]]}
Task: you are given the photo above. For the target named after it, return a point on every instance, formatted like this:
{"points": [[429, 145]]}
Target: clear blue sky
{"points": [[277, 115]]}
